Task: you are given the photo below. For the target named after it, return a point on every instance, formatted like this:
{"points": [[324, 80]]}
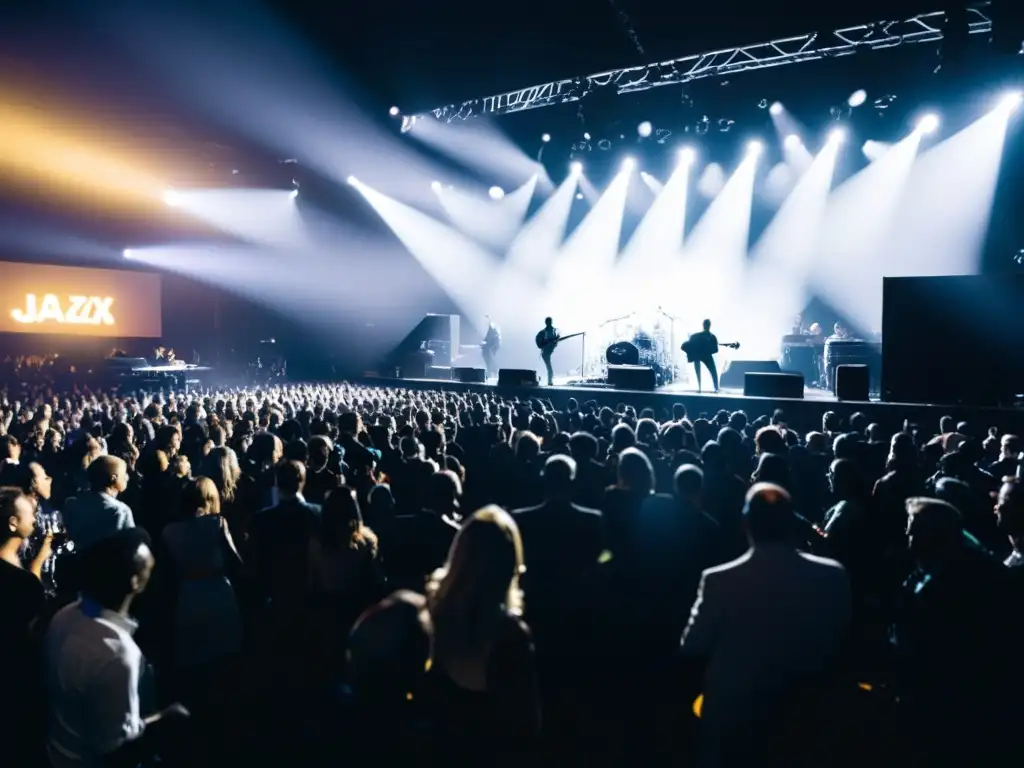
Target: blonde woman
{"points": [[483, 663]]}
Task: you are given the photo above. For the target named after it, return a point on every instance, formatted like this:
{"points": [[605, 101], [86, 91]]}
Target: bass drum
{"points": [[622, 353]]}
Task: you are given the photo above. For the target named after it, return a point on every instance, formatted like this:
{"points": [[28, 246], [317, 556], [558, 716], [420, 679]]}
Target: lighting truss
{"points": [[878, 35]]}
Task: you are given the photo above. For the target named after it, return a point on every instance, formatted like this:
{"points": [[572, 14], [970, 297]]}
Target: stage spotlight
{"points": [[352, 180], [1011, 101], [576, 166], [436, 186], [775, 109], [645, 129], [579, 195], [394, 111], [792, 141], [628, 164], [586, 136], [172, 198], [857, 98], [127, 253], [546, 137], [929, 123], [293, 194], [836, 135], [496, 193], [755, 147], [687, 155]]}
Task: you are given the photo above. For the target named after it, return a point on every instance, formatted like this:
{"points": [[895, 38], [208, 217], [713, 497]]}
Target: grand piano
{"points": [[140, 373]]}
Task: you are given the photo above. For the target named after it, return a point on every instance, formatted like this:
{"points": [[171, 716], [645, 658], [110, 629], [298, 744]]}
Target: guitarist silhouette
{"points": [[700, 348], [547, 340]]}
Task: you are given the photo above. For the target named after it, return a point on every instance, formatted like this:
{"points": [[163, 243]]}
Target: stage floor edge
{"points": [[803, 411]]}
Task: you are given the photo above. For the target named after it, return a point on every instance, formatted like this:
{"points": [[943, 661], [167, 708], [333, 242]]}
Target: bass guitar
{"points": [[543, 343], [693, 355]]}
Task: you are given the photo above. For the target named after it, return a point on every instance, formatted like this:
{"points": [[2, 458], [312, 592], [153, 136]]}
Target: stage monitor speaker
{"points": [[789, 385], [439, 373], [517, 377], [734, 376], [469, 375], [853, 382], [631, 377]]}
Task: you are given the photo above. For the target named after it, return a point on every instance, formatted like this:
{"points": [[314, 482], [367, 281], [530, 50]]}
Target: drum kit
{"points": [[632, 340]]}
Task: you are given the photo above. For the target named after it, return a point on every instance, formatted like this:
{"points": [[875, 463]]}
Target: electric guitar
{"points": [[693, 355], [543, 343]]}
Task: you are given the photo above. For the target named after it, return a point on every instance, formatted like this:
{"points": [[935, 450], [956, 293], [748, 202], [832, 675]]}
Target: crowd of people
{"points": [[328, 572]]}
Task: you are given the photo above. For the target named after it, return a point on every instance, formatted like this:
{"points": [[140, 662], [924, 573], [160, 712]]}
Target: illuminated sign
{"points": [[79, 301], [74, 310]]}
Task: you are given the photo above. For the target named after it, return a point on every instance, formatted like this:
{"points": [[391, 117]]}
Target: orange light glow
{"points": [[50, 153]]}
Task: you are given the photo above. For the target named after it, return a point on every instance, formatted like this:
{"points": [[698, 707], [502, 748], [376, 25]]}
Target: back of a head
{"points": [[583, 446], [770, 440], [635, 472], [768, 514], [116, 566], [443, 490], [689, 481], [320, 448], [291, 477], [103, 472], [559, 474], [934, 529], [482, 571], [390, 647], [200, 497]]}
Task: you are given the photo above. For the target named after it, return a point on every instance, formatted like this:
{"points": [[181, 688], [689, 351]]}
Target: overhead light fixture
{"points": [[755, 147], [645, 129], [545, 137], [496, 193], [628, 164], [576, 166], [586, 135], [579, 195], [928, 123], [687, 155], [837, 135], [352, 180], [394, 111], [436, 186], [775, 109], [792, 141], [293, 194], [127, 253], [857, 98], [172, 198]]}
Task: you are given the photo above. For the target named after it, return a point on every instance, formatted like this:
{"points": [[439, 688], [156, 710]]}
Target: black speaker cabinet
{"points": [[631, 377], [469, 375], [789, 385], [853, 382], [517, 377], [439, 373]]}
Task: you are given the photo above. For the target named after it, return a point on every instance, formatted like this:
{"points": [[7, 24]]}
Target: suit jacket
{"points": [[562, 543], [279, 549], [772, 625]]}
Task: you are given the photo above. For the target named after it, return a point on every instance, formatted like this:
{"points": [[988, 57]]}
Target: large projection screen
{"points": [[77, 301]]}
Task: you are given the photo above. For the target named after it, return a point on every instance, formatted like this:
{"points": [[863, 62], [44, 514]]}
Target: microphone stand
{"points": [[672, 337]]}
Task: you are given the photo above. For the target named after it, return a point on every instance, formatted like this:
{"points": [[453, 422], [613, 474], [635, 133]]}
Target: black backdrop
{"points": [[953, 339]]}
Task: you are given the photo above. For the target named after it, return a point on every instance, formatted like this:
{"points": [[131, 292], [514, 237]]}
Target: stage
{"points": [[803, 414]]}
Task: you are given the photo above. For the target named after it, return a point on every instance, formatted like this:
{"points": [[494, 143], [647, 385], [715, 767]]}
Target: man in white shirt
{"points": [[94, 666]]}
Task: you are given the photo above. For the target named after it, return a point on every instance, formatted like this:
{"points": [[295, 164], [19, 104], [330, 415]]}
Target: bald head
{"points": [[559, 474], [768, 514]]}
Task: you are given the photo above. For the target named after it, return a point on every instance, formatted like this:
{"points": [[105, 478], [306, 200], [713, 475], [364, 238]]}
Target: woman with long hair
{"points": [[483, 663], [345, 576], [198, 560]]}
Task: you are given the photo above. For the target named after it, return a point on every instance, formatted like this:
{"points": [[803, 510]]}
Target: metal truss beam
{"points": [[878, 35]]}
